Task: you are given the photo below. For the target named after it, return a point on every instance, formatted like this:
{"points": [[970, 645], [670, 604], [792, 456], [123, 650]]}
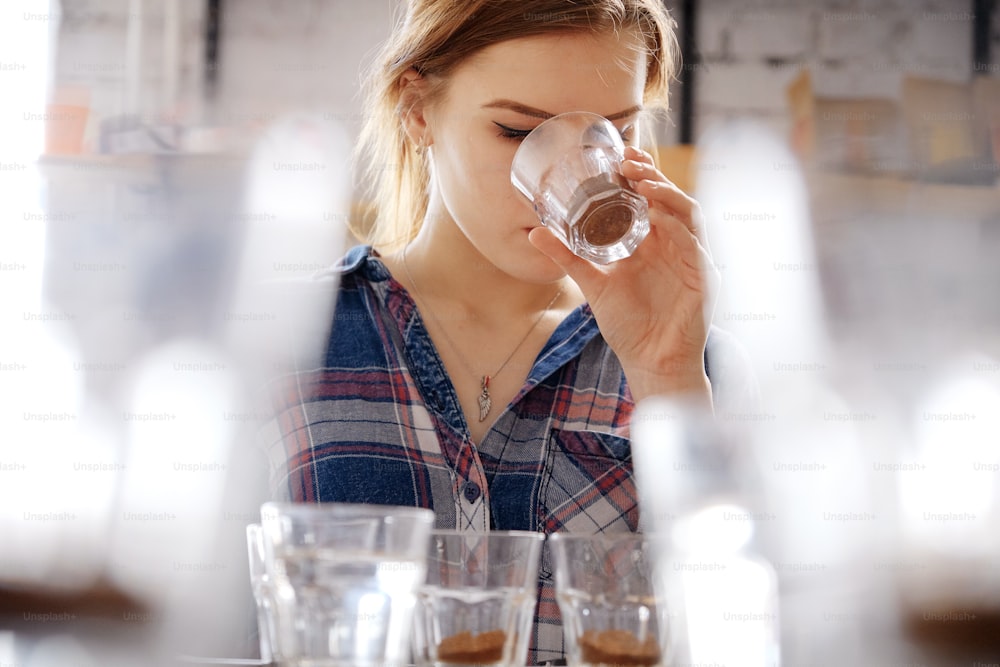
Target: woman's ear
{"points": [[412, 107]]}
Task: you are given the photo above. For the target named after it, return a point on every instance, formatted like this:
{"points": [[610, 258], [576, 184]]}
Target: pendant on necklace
{"points": [[485, 402]]}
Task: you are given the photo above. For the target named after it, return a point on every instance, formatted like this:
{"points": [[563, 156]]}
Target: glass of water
{"points": [[569, 169], [610, 600], [478, 602], [344, 579]]}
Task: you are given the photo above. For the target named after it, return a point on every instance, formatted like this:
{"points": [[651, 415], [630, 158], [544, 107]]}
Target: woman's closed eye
{"points": [[516, 135], [510, 132]]}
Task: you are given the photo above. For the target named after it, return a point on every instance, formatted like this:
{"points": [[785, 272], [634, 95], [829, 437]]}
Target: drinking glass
{"points": [[613, 610], [477, 604], [698, 485], [344, 581], [260, 584], [569, 169]]}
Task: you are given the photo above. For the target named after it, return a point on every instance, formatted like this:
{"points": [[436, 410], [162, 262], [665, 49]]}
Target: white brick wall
{"points": [[279, 55], [91, 55], [750, 50], [942, 45], [750, 85], [858, 79], [849, 33], [275, 56], [714, 23], [761, 32]]}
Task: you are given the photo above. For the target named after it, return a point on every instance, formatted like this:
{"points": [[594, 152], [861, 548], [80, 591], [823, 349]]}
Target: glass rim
{"points": [[607, 537], [551, 120], [454, 532], [576, 113], [336, 511]]}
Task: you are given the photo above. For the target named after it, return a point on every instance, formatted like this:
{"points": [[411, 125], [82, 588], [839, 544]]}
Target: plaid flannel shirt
{"points": [[379, 422]]}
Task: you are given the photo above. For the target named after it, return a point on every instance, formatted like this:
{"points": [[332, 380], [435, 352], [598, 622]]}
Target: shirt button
{"points": [[471, 491]]}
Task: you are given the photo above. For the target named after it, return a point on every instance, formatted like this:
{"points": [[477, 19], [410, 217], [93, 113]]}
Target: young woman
{"points": [[462, 294]]}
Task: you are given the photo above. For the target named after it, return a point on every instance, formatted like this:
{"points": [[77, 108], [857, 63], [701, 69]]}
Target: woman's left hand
{"points": [[653, 308]]}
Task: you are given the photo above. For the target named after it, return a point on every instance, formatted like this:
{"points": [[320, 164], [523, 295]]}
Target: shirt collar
{"points": [[578, 329], [362, 258]]}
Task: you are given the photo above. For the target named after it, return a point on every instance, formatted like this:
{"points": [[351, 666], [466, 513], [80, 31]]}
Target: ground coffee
{"points": [[607, 217], [467, 648], [618, 647]]}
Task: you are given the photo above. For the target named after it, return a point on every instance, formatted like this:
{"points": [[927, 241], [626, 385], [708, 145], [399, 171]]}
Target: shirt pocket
{"points": [[588, 485]]}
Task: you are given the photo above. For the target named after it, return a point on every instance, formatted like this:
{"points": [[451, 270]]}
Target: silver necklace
{"points": [[485, 402]]}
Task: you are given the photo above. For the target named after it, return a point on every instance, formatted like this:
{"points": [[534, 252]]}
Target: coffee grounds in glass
{"points": [[618, 647], [467, 648]]}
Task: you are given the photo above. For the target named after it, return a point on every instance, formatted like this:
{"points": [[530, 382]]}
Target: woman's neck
{"points": [[449, 271]]}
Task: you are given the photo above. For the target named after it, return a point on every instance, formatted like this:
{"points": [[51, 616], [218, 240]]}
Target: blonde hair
{"points": [[433, 38]]}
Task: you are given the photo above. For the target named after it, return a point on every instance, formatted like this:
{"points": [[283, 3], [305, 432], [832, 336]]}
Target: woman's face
{"points": [[496, 97]]}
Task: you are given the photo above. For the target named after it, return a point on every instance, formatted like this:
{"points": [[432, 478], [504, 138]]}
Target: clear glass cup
{"points": [[699, 484], [612, 606], [477, 604], [260, 584], [344, 581], [569, 169]]}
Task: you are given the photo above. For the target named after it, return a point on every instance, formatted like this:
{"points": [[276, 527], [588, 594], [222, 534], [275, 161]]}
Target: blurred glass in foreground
{"points": [[263, 590], [344, 580], [151, 246], [699, 488], [865, 301]]}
